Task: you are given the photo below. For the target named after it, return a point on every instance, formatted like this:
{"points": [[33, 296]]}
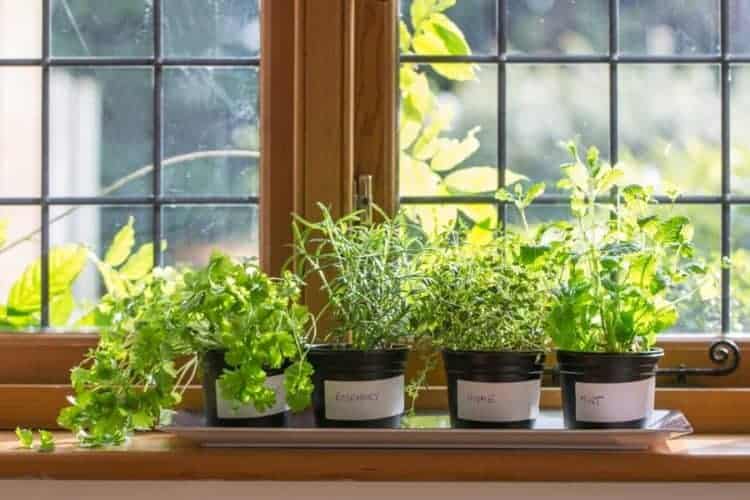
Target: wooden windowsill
{"points": [[165, 457]]}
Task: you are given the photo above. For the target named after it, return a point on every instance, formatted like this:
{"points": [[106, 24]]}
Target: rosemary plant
{"points": [[366, 270]]}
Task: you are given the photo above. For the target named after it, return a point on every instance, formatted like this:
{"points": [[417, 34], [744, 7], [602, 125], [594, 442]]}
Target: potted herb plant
{"points": [[244, 326], [485, 307], [623, 266], [250, 334], [365, 269]]}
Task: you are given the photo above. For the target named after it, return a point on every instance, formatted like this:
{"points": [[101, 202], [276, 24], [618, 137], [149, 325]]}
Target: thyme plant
{"points": [[485, 297]]}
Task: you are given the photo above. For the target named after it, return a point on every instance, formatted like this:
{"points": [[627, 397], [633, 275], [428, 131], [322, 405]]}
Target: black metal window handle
{"points": [[724, 352]]}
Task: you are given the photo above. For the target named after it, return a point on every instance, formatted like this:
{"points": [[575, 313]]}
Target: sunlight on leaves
{"points": [[122, 245]]}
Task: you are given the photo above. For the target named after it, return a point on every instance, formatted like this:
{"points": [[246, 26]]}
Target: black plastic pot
{"points": [[358, 388], [607, 390], [493, 389], [219, 413]]}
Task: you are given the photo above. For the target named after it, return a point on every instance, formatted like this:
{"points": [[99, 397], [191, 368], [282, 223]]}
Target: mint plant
{"points": [[366, 270], [622, 265], [150, 351]]}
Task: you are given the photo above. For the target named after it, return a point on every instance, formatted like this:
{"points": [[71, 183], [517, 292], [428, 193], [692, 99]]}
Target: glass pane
{"points": [[194, 232], [558, 27], [740, 128], [211, 140], [670, 126], [19, 250], [211, 28], [462, 158], [101, 131], [476, 19], [20, 29], [95, 227], [20, 131], [548, 104], [82, 28], [739, 17], [686, 27], [740, 272]]}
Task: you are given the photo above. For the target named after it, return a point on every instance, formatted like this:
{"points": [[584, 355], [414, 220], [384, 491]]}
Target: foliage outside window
{"points": [[147, 142], [486, 95]]}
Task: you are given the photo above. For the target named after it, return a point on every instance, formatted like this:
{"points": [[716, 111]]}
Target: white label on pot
{"points": [[364, 399], [620, 402], [225, 408], [498, 401]]}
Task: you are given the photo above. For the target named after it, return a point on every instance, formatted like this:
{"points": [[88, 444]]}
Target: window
{"points": [[489, 88], [142, 110]]}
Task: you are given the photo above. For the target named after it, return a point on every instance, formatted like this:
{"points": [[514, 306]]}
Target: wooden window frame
{"points": [[328, 115]]}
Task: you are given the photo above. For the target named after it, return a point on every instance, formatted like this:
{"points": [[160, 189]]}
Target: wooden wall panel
{"points": [[375, 121], [277, 133]]}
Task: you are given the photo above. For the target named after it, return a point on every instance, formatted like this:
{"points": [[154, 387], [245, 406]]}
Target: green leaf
{"points": [[25, 438], [298, 385], [577, 175], [427, 144], [503, 194], [404, 36], [3, 231], [140, 263], [61, 308], [115, 284], [420, 9], [46, 441], [592, 158], [408, 131], [608, 178], [417, 179], [472, 180], [676, 229], [479, 235], [65, 264], [416, 95], [452, 152], [485, 214], [531, 254], [450, 34], [142, 421], [122, 245], [440, 36], [534, 192], [665, 318]]}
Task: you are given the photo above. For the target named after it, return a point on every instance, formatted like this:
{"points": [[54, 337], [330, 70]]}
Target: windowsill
{"points": [[165, 457]]}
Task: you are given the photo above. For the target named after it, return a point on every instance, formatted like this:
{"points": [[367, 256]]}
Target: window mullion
{"points": [[157, 144], [726, 176], [45, 188]]}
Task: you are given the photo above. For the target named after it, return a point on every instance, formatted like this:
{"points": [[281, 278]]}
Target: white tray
{"points": [[433, 431]]}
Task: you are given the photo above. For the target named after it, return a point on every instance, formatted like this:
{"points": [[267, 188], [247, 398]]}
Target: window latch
{"points": [[363, 196], [724, 353]]}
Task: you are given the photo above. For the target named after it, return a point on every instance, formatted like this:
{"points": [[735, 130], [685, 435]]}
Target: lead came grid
{"points": [[614, 59], [158, 198]]}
